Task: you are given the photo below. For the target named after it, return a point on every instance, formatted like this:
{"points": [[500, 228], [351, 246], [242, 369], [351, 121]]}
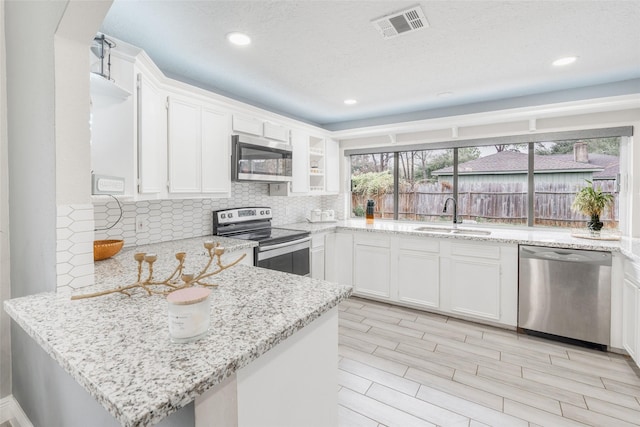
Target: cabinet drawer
{"points": [[277, 132], [422, 245], [246, 124], [373, 240], [475, 251]]}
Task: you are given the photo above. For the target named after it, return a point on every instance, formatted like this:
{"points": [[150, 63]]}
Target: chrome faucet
{"points": [[455, 210]]}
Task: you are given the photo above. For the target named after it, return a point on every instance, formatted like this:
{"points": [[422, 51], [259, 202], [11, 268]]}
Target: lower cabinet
{"points": [[317, 256], [418, 272], [372, 255], [338, 258], [631, 311], [475, 280]]}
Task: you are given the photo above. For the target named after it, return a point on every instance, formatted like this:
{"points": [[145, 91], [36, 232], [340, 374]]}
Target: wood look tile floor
{"points": [[404, 367]]}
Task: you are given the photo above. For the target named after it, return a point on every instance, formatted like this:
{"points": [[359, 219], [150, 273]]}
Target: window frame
{"points": [[529, 139]]}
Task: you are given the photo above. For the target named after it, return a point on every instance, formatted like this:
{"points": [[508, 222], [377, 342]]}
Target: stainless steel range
{"points": [[279, 248]]}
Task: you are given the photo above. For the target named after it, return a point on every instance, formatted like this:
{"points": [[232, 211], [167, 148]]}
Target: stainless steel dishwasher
{"points": [[565, 292]]}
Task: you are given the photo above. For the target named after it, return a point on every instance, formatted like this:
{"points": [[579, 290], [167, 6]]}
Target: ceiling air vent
{"points": [[401, 22]]}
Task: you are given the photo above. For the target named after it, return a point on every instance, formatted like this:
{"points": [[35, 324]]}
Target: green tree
{"points": [[609, 146], [372, 183]]}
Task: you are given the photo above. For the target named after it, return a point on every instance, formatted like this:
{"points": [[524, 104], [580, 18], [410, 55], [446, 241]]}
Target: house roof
{"points": [[510, 162], [609, 163]]}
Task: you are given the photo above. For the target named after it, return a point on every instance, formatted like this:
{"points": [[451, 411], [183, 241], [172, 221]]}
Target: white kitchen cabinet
{"points": [[185, 142], [300, 167], [480, 280], [112, 120], [371, 268], [468, 279], [317, 256], [475, 287], [246, 124], [275, 131], [338, 255], [418, 272], [216, 156], [151, 136], [198, 154], [631, 311], [316, 164]]}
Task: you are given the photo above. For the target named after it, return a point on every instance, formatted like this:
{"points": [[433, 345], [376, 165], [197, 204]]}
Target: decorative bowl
{"points": [[103, 249]]}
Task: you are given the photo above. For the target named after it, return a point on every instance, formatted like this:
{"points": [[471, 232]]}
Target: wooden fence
{"points": [[492, 202]]}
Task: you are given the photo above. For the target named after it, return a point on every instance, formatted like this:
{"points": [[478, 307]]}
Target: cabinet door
{"points": [[475, 287], [277, 132], [339, 258], [317, 256], [418, 277], [630, 318], [332, 165], [246, 124], [317, 263], [152, 138], [216, 173], [185, 136], [372, 259], [300, 144]]}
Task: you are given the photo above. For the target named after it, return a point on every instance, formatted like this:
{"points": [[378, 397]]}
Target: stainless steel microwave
{"points": [[259, 159]]}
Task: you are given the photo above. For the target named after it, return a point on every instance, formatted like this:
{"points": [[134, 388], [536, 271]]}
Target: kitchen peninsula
{"points": [[270, 355]]}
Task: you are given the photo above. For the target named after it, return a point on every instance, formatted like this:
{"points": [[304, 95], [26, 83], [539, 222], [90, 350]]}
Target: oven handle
{"points": [[282, 245]]}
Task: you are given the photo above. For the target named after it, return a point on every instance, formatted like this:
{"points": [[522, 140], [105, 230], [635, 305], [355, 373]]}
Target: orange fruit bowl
{"points": [[103, 249]]}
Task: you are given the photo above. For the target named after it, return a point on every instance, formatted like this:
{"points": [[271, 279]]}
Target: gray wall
{"points": [[48, 395], [5, 283]]}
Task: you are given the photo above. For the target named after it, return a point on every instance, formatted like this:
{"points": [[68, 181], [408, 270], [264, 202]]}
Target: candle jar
{"points": [[189, 314]]}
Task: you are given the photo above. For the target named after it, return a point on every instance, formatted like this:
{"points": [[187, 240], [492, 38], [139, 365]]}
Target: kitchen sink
{"points": [[451, 230]]}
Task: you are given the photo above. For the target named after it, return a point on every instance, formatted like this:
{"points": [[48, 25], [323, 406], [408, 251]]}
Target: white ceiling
{"points": [[308, 56]]}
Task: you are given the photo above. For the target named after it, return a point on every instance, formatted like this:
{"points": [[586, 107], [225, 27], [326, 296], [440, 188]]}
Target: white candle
{"points": [[189, 314]]}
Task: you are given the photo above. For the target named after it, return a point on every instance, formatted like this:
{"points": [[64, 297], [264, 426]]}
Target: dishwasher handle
{"points": [[566, 255]]}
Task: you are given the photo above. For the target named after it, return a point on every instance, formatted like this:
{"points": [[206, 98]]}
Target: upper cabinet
{"points": [[246, 124], [275, 131], [151, 137], [172, 140], [256, 127], [198, 148], [315, 166]]}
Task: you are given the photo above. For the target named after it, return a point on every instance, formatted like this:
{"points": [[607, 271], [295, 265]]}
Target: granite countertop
{"points": [[629, 247], [118, 347]]}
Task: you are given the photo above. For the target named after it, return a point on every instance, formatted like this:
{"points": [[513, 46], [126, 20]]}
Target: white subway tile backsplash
{"points": [[184, 218], [74, 248]]}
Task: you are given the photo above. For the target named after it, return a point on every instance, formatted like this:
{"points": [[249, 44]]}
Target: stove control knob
{"points": [[230, 215], [261, 212], [223, 216], [268, 211]]}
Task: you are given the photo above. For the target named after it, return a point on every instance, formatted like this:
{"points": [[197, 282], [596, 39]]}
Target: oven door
{"points": [[290, 257], [256, 159]]}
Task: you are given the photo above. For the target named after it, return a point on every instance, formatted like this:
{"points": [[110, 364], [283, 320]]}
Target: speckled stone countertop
{"points": [[118, 347], [535, 237]]}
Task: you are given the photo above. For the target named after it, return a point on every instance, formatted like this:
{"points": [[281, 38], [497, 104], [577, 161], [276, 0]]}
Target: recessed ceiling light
{"points": [[350, 101], [564, 61], [239, 39]]}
